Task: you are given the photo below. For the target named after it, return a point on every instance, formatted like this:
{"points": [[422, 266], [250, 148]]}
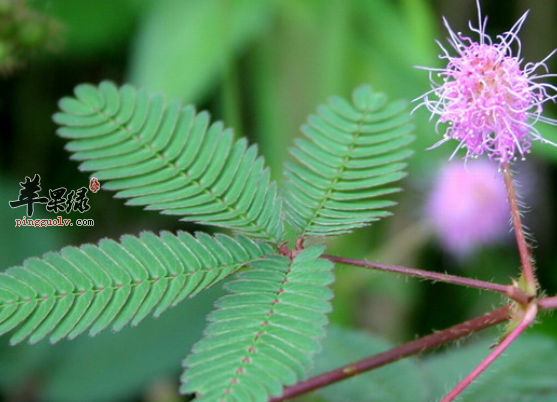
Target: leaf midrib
{"points": [[257, 338], [229, 207], [342, 167], [57, 295]]}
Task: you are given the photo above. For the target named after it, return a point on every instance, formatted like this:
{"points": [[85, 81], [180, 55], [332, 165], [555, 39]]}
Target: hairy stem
{"points": [[527, 269], [419, 345], [510, 291], [527, 320]]}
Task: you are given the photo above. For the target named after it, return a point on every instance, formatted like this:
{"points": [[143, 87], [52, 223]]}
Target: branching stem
{"points": [[527, 269], [419, 345], [510, 291], [527, 320], [427, 343]]}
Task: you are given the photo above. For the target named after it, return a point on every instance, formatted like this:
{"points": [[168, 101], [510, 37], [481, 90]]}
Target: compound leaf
{"points": [[263, 334], [92, 287], [170, 159], [347, 162]]}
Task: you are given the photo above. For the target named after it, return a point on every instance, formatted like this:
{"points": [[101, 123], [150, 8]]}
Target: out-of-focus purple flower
{"points": [[488, 99], [468, 206]]}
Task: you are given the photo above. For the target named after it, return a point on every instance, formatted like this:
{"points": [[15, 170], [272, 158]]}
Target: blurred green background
{"points": [[261, 66]]}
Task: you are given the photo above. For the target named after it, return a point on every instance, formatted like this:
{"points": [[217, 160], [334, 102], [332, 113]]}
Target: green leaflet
{"points": [[263, 335], [91, 287], [349, 159], [171, 159]]}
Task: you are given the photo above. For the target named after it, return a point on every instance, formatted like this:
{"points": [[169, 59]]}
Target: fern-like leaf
{"points": [[170, 158], [91, 287], [263, 335], [349, 159]]}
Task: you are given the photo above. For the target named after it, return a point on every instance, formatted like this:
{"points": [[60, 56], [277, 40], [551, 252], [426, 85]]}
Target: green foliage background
{"points": [[261, 66]]}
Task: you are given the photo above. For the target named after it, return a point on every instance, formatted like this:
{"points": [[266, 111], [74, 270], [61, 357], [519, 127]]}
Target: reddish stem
{"points": [[548, 303], [527, 269], [527, 320], [510, 291], [420, 345]]}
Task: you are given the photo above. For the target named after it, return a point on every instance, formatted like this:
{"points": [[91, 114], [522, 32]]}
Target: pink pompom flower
{"points": [[490, 101], [468, 206]]}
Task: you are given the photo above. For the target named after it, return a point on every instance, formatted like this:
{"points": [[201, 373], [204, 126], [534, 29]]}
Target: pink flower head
{"points": [[488, 99], [468, 206]]}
